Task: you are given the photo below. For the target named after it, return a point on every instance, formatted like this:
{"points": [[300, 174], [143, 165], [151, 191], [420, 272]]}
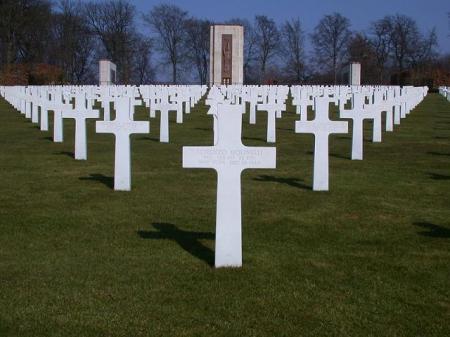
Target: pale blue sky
{"points": [[428, 14]]}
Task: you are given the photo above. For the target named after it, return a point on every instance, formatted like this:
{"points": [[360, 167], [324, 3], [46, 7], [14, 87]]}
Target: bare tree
{"points": [[267, 41], [23, 37], [168, 22], [73, 42], [380, 40], [361, 50], [113, 23], [197, 46], [293, 49], [330, 39], [424, 49], [142, 70], [403, 34], [249, 48]]}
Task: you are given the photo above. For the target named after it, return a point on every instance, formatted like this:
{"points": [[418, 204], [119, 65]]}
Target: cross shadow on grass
{"points": [[335, 155], [48, 138], [432, 230], [340, 156], [439, 154], [156, 140], [343, 137], [189, 241], [105, 180], [254, 138], [294, 182], [66, 153], [437, 176]]}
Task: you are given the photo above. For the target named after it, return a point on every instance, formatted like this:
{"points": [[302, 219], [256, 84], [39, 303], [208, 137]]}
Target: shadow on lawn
{"points": [[156, 140], [189, 241], [254, 138], [66, 153], [437, 176], [439, 154], [294, 182], [105, 180], [433, 230], [335, 155]]}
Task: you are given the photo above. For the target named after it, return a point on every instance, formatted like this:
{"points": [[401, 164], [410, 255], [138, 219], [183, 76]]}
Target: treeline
{"points": [[62, 42]]}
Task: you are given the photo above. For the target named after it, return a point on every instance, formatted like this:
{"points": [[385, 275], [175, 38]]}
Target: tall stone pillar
{"points": [[107, 72]]}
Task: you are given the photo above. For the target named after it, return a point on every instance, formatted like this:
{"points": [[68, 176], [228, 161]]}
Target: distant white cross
{"points": [[164, 107], [80, 114], [271, 109], [229, 157], [35, 108], [321, 127], [122, 127], [357, 114], [58, 108], [44, 102]]}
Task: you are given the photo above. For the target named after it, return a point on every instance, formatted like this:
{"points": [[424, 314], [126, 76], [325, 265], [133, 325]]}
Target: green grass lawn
{"points": [[369, 258]]}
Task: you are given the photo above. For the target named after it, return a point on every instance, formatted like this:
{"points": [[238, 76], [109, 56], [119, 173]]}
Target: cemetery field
{"points": [[369, 258]]}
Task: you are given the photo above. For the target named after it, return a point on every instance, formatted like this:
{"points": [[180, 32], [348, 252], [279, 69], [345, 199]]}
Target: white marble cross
{"points": [[377, 109], [28, 106], [80, 114], [229, 157], [44, 112], [175, 101], [358, 114], [58, 108], [321, 127], [388, 105], [35, 107], [122, 127], [105, 99], [397, 106], [271, 109], [164, 108]]}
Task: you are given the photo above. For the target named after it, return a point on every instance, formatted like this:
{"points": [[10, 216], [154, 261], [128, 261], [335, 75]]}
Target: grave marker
{"points": [[229, 157], [80, 114], [122, 127], [321, 127]]}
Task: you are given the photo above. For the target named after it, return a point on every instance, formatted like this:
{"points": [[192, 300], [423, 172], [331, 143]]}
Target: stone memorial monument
{"points": [[107, 72], [353, 73], [226, 55]]}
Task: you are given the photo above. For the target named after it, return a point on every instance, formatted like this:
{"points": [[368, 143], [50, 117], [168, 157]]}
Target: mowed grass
{"points": [[369, 258]]}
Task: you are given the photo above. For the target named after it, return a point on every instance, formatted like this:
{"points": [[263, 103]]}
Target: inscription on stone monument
{"points": [[227, 58]]}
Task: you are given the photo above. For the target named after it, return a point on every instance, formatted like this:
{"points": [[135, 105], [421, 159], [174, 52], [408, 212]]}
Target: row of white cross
{"points": [[36, 102], [367, 103], [228, 156]]}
